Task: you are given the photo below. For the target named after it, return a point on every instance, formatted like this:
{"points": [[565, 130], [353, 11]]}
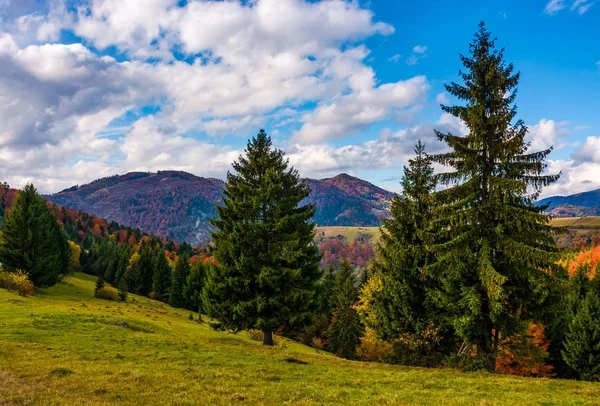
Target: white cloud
{"points": [[323, 160], [554, 6], [442, 98], [359, 109], [418, 53], [243, 63], [395, 58], [582, 6], [589, 152], [547, 133]]}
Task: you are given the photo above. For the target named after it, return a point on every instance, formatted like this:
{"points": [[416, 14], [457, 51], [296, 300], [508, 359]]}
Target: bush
{"points": [[107, 293], [17, 282]]}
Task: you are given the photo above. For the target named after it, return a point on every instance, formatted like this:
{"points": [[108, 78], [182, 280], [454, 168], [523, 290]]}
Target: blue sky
{"points": [[99, 87]]}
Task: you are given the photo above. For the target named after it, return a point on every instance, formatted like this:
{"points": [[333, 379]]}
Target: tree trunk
{"points": [[268, 338], [200, 314]]}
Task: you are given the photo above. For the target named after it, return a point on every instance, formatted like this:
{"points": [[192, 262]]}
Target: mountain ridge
{"points": [[575, 205], [178, 205]]}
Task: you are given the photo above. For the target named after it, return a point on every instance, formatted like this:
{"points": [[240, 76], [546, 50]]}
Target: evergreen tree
{"points": [[268, 264], [122, 289], [495, 251], [327, 286], [33, 241], [180, 275], [162, 276], [145, 270], [345, 329], [404, 305], [192, 291], [582, 346], [99, 284]]}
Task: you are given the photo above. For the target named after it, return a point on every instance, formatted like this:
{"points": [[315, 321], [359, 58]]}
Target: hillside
{"points": [[65, 347], [179, 205], [577, 205]]}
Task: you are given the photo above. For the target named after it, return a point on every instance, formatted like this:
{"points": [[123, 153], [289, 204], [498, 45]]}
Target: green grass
{"points": [[577, 222], [350, 234], [62, 347]]}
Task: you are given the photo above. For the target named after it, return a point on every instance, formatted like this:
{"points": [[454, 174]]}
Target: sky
{"points": [[94, 88]]}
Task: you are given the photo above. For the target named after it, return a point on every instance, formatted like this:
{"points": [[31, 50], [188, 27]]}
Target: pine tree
{"points": [[33, 241], [162, 276], [267, 262], [180, 275], [192, 291], [345, 330], [122, 289], [582, 346], [403, 306], [495, 251]]}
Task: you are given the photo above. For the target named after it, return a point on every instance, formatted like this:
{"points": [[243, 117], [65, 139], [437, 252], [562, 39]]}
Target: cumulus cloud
{"points": [[207, 67], [384, 152], [359, 109], [547, 133]]}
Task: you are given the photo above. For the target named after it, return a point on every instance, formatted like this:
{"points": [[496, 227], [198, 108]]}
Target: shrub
{"points": [[107, 293], [17, 282]]}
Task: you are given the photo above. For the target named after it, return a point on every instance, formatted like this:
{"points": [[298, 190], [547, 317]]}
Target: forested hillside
{"points": [[179, 205]]}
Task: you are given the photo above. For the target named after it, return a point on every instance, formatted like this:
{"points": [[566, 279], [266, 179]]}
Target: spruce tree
{"points": [[494, 247], [404, 305], [345, 330], [267, 262], [122, 289], [180, 275], [582, 346], [192, 291], [99, 285], [33, 241], [162, 276], [145, 269]]}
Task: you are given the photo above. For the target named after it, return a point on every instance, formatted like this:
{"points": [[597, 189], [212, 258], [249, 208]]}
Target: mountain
{"points": [[178, 205], [577, 205]]}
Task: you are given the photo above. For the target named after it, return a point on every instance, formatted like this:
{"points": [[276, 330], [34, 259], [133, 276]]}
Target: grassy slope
{"points": [[62, 348], [349, 233]]}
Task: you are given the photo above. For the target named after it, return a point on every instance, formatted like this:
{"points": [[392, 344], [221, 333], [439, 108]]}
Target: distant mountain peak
{"points": [[179, 205]]}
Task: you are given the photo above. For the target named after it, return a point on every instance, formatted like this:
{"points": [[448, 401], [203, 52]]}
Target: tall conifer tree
{"points": [[33, 241], [494, 247], [267, 263], [180, 274], [162, 276], [345, 330], [403, 306]]}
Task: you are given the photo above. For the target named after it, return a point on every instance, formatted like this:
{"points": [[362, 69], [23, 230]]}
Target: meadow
{"points": [[63, 346]]}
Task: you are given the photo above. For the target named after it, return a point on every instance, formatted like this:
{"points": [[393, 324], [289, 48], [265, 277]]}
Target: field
{"points": [[349, 234], [577, 222], [65, 347]]}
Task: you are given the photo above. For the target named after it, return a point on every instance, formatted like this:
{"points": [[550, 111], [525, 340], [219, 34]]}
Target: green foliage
{"points": [[267, 263], [107, 293], [494, 248], [122, 290], [345, 330], [180, 275], [32, 240], [404, 305], [582, 346], [162, 276], [99, 284], [192, 290], [113, 364]]}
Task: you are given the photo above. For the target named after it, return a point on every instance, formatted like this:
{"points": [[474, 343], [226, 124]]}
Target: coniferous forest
{"points": [[466, 274]]}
